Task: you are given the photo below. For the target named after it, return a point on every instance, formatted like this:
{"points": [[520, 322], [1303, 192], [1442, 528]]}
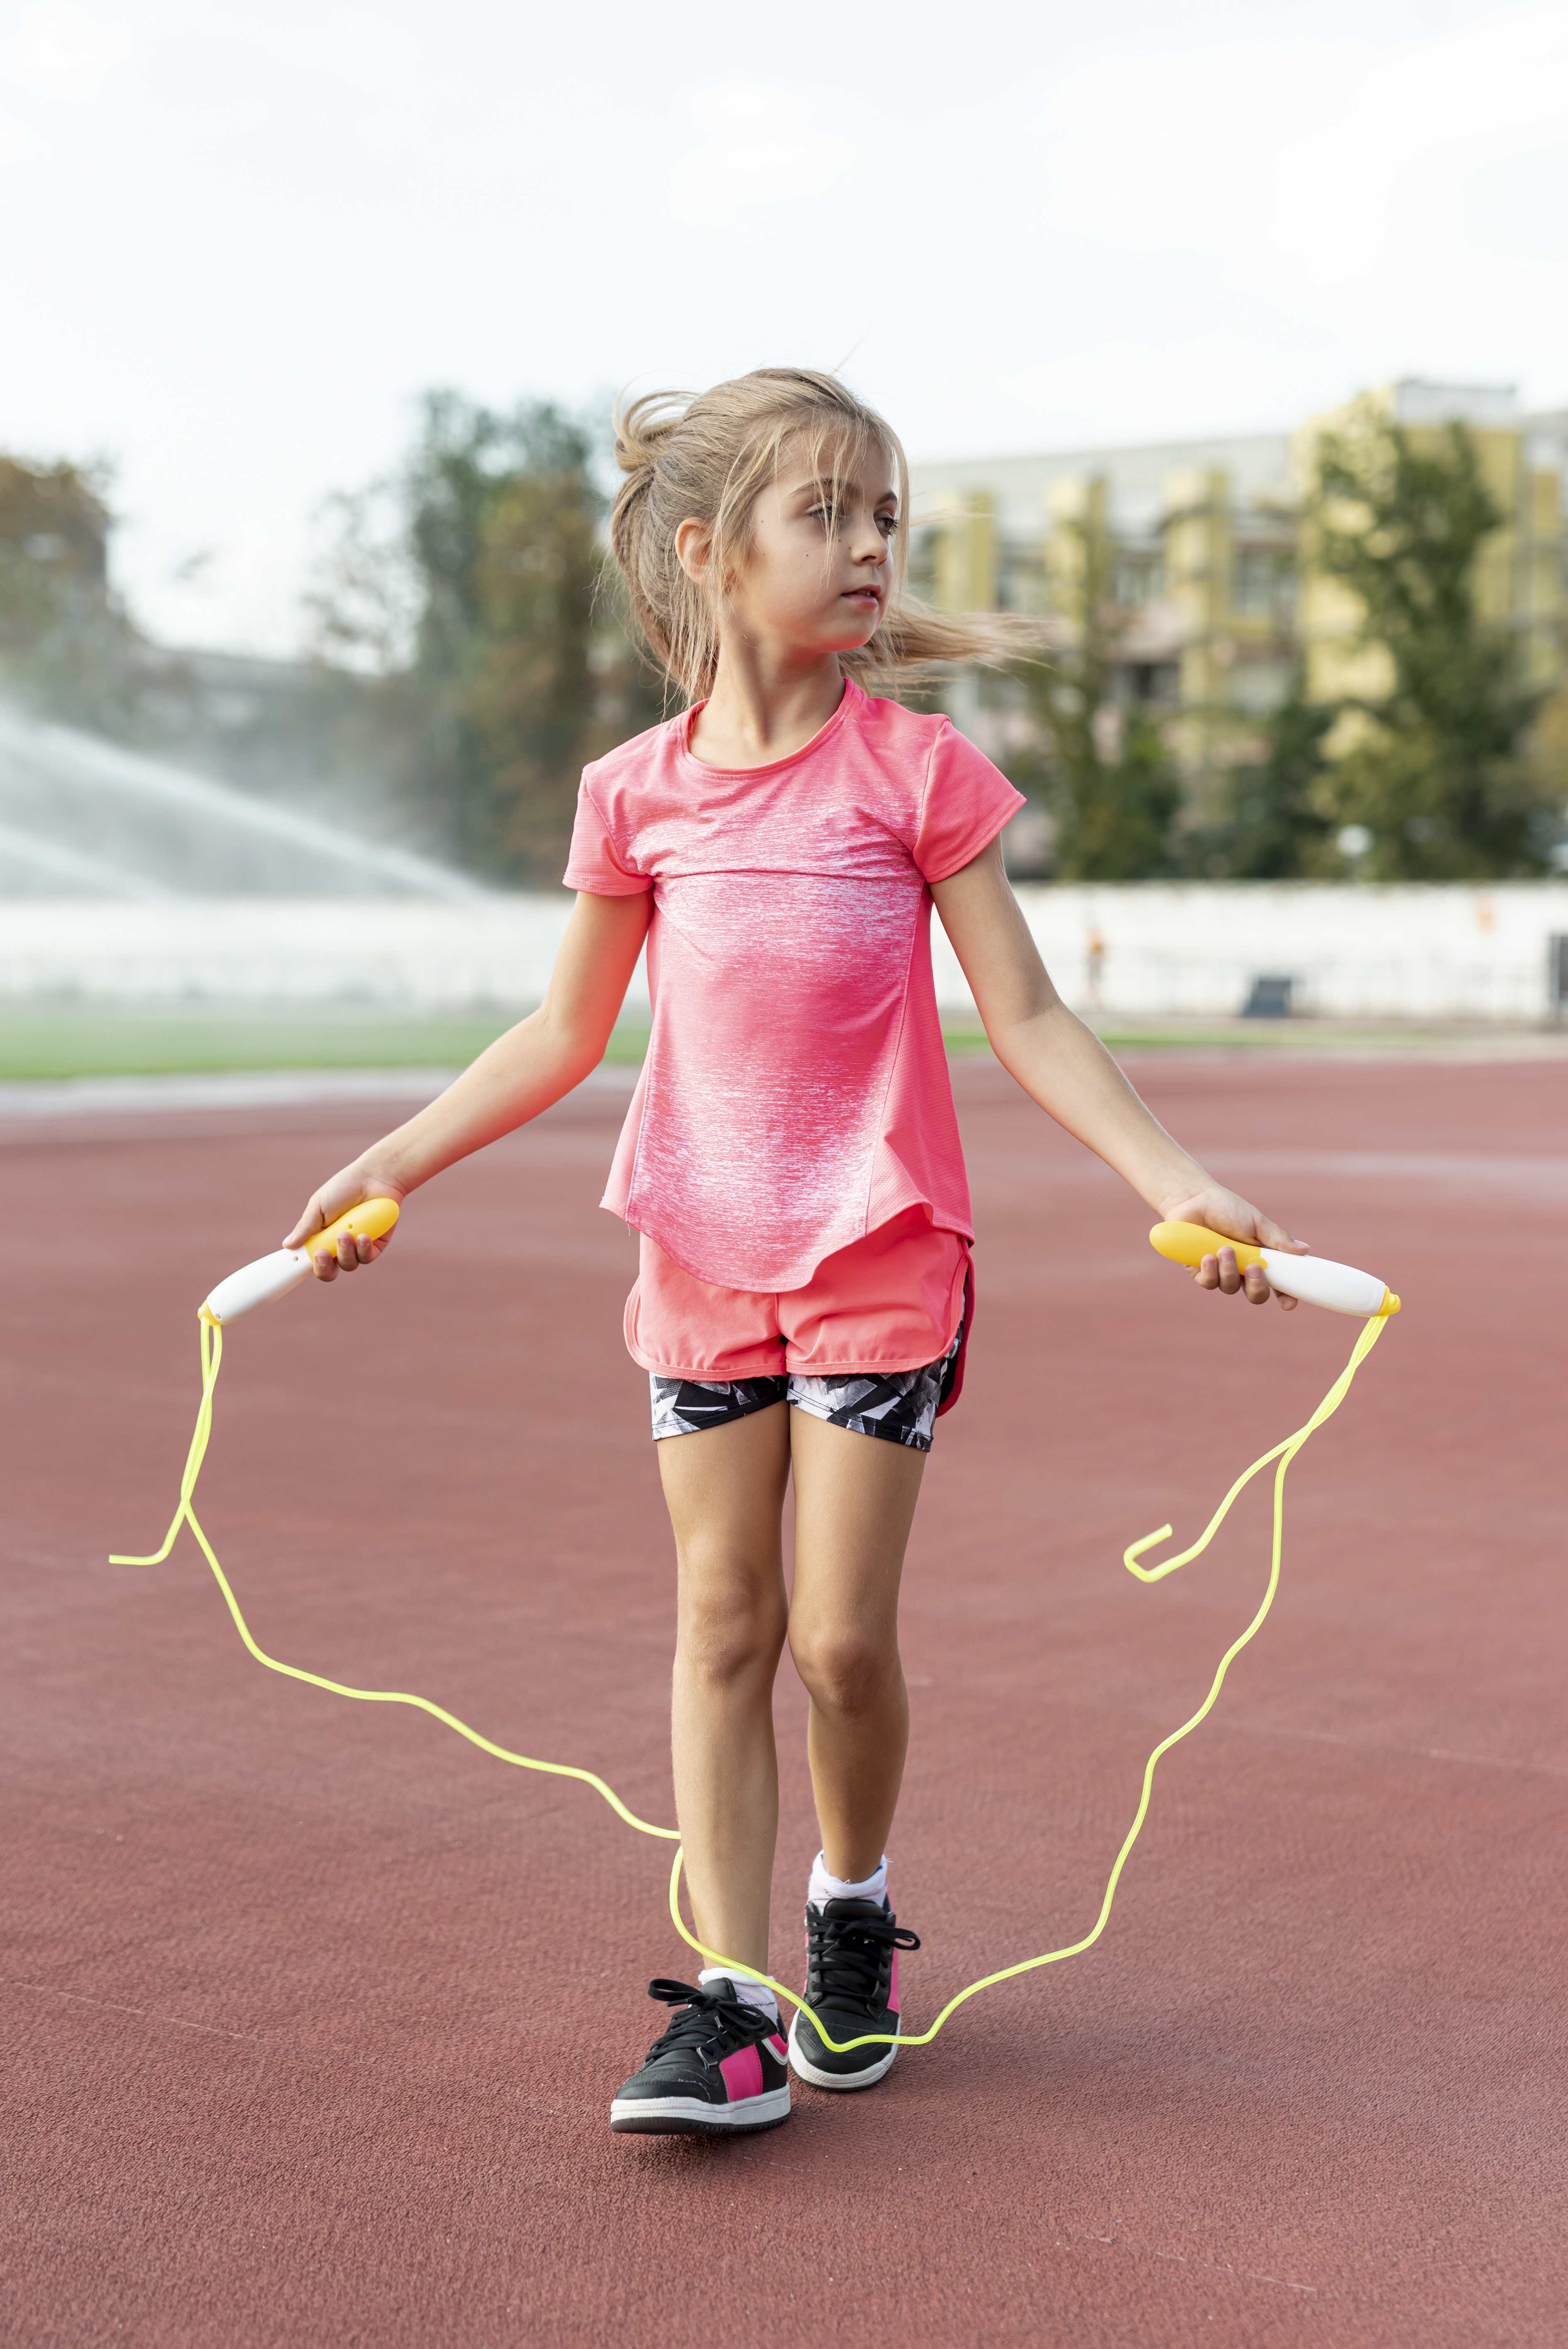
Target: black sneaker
{"points": [[852, 1983], [720, 2069]]}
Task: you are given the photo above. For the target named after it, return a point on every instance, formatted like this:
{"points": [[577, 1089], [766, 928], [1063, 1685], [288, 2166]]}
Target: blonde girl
{"points": [[791, 1159]]}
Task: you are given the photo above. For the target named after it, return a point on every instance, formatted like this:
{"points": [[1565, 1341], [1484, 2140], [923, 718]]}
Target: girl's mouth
{"points": [[863, 596]]}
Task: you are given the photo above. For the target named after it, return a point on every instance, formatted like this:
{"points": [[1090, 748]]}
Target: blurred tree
{"points": [[1279, 825], [1437, 769], [533, 699], [64, 644], [54, 529], [469, 586], [1105, 774]]}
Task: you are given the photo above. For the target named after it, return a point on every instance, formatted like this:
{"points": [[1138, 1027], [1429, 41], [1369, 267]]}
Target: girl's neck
{"points": [[762, 709]]}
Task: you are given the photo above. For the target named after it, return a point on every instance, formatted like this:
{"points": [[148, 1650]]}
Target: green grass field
{"points": [[44, 1040], [39, 1041]]}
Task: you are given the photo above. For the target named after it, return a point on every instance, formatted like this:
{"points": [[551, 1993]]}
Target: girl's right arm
{"points": [[511, 1080]]}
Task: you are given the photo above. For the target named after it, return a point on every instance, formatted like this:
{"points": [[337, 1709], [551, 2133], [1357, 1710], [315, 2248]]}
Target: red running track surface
{"points": [[314, 2013]]}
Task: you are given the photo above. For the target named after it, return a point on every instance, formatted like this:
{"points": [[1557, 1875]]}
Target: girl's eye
{"points": [[887, 525]]}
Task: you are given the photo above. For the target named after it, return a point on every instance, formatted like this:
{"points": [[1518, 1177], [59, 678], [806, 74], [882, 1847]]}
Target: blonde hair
{"points": [[707, 459]]}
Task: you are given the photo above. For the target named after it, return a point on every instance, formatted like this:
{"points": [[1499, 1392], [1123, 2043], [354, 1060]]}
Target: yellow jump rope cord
{"points": [[212, 1356]]}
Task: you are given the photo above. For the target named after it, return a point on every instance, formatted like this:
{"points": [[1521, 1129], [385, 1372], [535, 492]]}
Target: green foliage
{"points": [[1115, 811], [470, 585], [532, 699], [63, 645], [1278, 826], [1437, 771], [53, 527], [1107, 775]]}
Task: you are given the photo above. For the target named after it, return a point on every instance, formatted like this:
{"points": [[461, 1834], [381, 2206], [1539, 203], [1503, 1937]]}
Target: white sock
{"points": [[824, 1886], [748, 1990]]}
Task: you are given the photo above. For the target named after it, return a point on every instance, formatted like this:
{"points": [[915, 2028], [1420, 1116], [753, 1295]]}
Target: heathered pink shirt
{"points": [[796, 1092]]}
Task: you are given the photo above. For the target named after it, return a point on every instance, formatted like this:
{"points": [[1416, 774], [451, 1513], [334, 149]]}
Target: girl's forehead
{"points": [[808, 461]]}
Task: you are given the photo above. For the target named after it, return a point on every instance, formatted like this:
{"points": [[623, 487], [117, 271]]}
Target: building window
{"points": [[1138, 577], [1158, 684], [1259, 582]]}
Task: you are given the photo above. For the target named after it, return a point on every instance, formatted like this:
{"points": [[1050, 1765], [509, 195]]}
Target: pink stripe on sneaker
{"points": [[742, 2073], [779, 2048], [893, 1991]]}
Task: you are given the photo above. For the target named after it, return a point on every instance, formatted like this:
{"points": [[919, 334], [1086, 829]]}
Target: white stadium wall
{"points": [[1166, 950], [1352, 952]]}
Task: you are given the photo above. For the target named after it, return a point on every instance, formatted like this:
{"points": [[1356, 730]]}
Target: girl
{"points": [[791, 1158]]}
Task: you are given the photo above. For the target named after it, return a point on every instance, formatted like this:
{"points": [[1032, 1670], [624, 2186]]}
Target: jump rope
{"points": [[1315, 1280]]}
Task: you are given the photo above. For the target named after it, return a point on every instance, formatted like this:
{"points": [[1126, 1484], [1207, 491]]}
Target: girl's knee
{"points": [[845, 1670], [727, 1636]]}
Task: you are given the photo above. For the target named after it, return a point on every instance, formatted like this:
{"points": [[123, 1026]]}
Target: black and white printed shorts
{"points": [[901, 1406]]}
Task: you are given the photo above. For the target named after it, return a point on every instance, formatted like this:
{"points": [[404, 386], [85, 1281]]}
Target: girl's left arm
{"points": [[1063, 1065]]}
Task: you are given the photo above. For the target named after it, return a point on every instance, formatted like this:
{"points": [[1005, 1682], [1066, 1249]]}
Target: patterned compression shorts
{"points": [[899, 1405]]}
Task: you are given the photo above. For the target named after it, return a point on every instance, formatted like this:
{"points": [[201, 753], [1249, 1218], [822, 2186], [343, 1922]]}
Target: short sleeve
{"points": [[594, 865], [967, 801]]}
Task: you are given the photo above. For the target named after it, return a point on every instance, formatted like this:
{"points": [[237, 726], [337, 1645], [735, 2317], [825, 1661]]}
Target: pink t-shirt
{"points": [[796, 1092]]}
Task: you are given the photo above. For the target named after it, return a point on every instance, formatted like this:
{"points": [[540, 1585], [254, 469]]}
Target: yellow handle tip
{"points": [[1188, 1244], [1390, 1306], [371, 1220]]}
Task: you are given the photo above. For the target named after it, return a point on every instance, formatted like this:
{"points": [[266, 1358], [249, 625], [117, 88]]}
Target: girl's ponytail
{"points": [[644, 554], [708, 461]]}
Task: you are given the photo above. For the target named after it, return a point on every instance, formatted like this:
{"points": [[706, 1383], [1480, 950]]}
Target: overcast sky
{"points": [[244, 234]]}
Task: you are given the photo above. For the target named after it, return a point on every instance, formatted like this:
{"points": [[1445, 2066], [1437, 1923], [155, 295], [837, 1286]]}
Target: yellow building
{"points": [[1521, 581], [1214, 604]]}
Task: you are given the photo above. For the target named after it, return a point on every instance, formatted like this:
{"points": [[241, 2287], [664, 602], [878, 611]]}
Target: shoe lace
{"points": [[713, 2024], [847, 1957]]}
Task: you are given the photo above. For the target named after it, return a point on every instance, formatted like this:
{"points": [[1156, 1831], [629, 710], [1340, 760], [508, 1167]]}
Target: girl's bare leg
{"points": [[853, 1503], [724, 1489]]}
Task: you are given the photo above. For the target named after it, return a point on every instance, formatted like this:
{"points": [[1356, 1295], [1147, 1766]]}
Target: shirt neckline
{"points": [[688, 718]]}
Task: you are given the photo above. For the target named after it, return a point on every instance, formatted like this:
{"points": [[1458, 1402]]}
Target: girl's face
{"points": [[817, 578]]}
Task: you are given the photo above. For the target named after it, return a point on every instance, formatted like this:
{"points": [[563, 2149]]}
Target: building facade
{"points": [[1201, 544]]}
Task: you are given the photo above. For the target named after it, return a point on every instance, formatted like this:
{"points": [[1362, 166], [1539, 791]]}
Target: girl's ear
{"points": [[692, 546]]}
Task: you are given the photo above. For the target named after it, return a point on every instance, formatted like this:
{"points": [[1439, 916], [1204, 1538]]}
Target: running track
{"points": [[313, 2012]]}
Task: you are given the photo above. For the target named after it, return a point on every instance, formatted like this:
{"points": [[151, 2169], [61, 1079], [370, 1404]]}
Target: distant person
{"points": [[1094, 967], [791, 1160]]}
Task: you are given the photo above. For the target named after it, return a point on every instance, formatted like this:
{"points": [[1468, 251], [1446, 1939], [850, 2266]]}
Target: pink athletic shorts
{"points": [[891, 1301]]}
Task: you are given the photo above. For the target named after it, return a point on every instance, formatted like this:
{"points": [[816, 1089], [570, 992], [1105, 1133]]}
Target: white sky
{"points": [[243, 235]]}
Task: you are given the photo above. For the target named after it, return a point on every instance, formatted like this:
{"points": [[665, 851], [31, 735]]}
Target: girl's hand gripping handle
{"points": [[276, 1275], [1313, 1279]]}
